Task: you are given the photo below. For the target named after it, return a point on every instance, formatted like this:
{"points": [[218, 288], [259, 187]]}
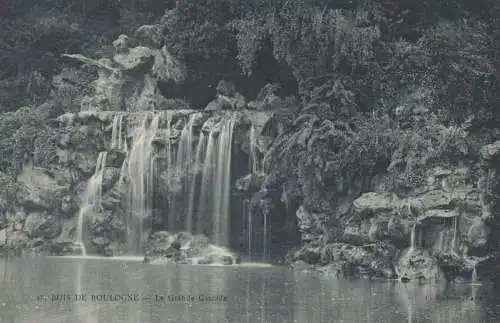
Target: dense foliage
{"points": [[384, 86]]}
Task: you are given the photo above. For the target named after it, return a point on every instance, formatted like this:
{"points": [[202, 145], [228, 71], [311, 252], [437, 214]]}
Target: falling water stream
{"points": [[265, 247], [254, 158], [216, 183], [206, 181], [454, 240], [412, 237], [117, 141], [198, 176], [255, 170], [222, 185], [192, 181], [474, 278], [92, 196], [139, 172]]}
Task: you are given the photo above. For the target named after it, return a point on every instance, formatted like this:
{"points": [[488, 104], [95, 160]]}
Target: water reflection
{"points": [[256, 294]]}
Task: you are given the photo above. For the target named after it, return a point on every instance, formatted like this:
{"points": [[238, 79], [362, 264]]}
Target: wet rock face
{"points": [[115, 158], [110, 178], [445, 214], [104, 228]]}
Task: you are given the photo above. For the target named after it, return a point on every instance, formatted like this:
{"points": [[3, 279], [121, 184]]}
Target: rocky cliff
{"points": [[376, 156]]}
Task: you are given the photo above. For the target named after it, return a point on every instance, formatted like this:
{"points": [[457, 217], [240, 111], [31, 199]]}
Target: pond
{"points": [[88, 290]]}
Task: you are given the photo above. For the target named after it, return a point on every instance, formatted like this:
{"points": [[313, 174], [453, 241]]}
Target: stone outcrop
{"points": [[128, 81], [448, 221], [184, 248]]}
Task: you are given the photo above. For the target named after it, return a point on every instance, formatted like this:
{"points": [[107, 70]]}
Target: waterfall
{"points": [[170, 180], [266, 245], [185, 148], [182, 169], [223, 184], [117, 141], [249, 233], [216, 182], [474, 278], [198, 176], [140, 174], [412, 236], [92, 196], [254, 158], [192, 181], [204, 206], [454, 239]]}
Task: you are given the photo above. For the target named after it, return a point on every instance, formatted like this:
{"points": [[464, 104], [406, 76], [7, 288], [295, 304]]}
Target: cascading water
{"points": [[92, 196], [170, 179], [412, 237], [194, 169], [454, 240], [254, 158], [249, 234], [140, 174], [216, 182], [266, 236], [181, 167], [192, 181], [223, 184], [474, 278], [255, 169], [117, 141], [205, 203]]}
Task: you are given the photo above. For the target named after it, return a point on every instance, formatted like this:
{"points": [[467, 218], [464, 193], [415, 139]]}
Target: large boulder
{"points": [[33, 198], [182, 247], [312, 226], [42, 225], [437, 199], [115, 158], [376, 204]]}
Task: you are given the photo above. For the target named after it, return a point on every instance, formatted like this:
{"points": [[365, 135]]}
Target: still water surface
{"points": [[212, 294]]}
